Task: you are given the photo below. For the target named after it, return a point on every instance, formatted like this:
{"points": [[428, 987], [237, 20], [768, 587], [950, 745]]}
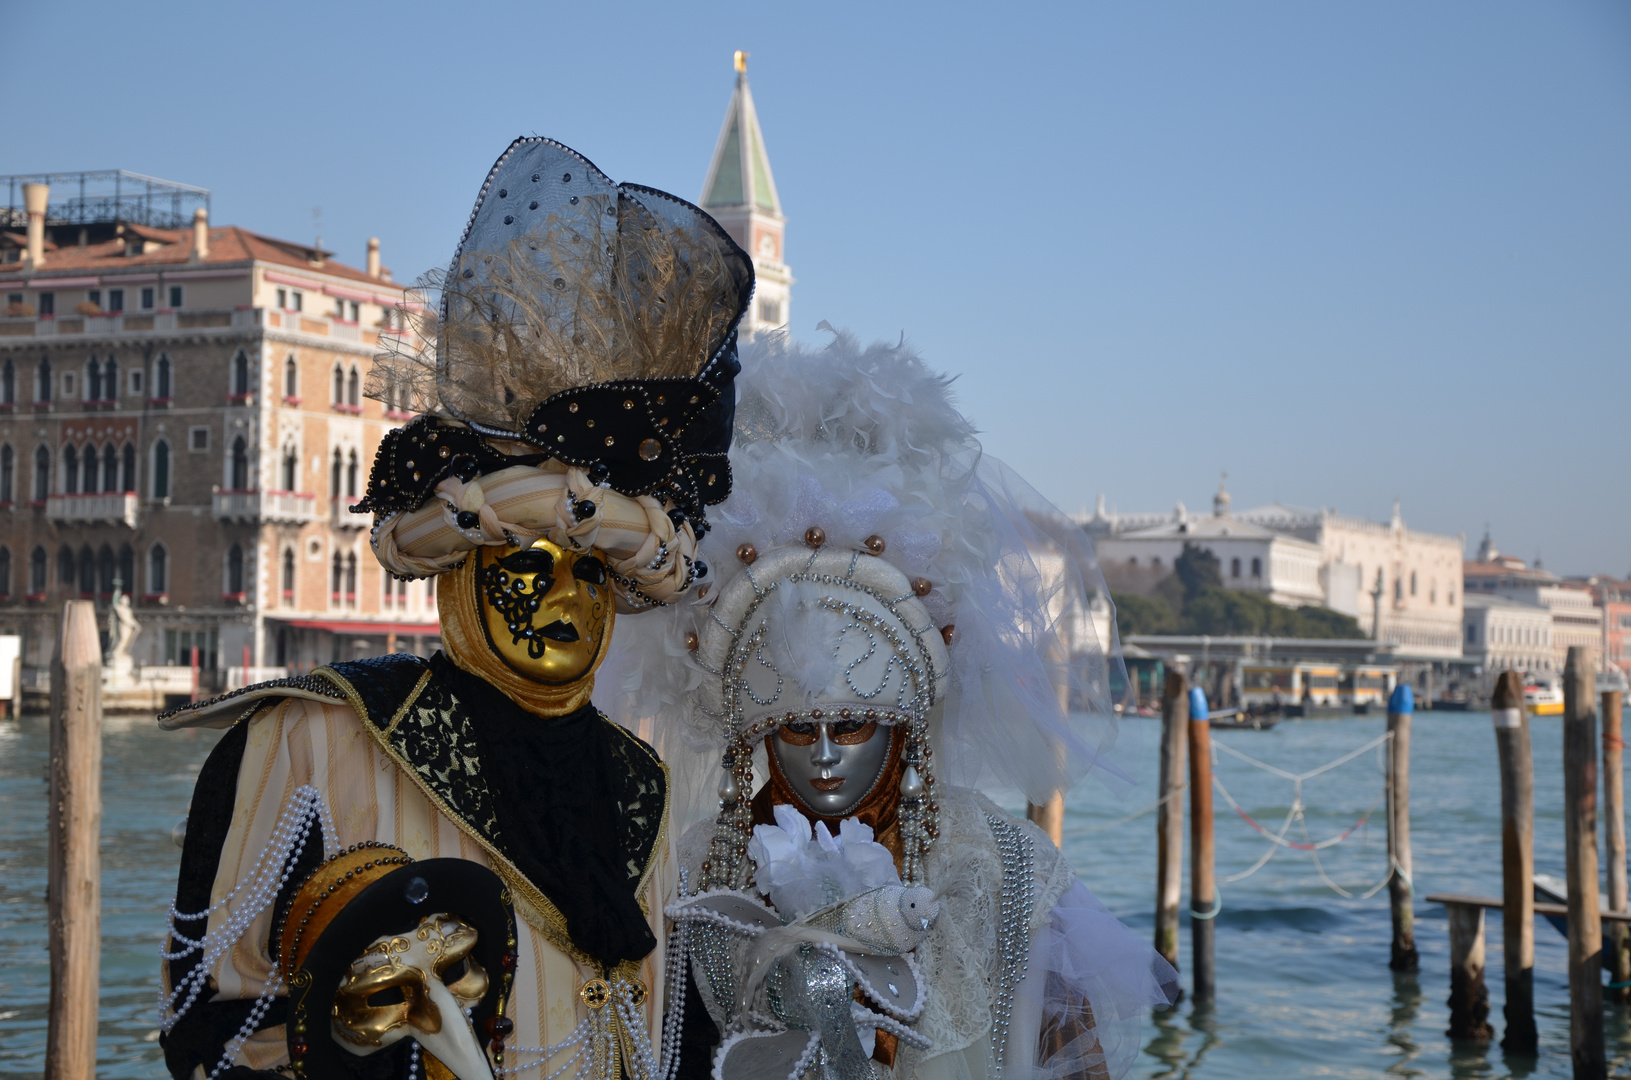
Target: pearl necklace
{"points": [[260, 889]]}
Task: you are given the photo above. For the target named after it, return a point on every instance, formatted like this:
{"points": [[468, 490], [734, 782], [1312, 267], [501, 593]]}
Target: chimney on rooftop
{"points": [[373, 256], [35, 197], [201, 234]]}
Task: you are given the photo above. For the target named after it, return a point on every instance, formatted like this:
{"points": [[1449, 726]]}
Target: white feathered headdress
{"points": [[867, 443]]}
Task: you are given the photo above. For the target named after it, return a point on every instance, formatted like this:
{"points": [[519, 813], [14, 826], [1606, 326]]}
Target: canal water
{"points": [[1303, 984]]}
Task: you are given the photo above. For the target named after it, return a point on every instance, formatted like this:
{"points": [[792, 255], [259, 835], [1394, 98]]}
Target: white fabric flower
{"points": [[803, 869]]}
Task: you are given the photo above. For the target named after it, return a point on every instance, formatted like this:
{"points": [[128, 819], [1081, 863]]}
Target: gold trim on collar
{"points": [[537, 909]]}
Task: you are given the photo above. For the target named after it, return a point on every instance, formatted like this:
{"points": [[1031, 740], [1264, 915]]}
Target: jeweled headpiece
{"points": [[807, 632], [586, 331]]}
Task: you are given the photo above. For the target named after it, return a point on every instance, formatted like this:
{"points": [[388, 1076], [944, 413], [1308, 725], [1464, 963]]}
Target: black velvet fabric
{"points": [[575, 797], [200, 1037], [699, 1038]]}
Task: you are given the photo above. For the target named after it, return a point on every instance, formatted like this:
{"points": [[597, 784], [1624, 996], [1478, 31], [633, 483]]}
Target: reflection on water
{"points": [[1303, 983], [1401, 1019]]}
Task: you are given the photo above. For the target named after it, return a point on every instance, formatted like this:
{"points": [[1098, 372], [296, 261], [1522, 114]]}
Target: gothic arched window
{"points": [[291, 469], [8, 384], [339, 385], [161, 469], [110, 468], [235, 570], [93, 380], [87, 571], [129, 481], [240, 375], [70, 469], [90, 470], [106, 570], [158, 570], [291, 377], [288, 577], [42, 474], [5, 570], [161, 379], [42, 380], [110, 379], [37, 572], [7, 468], [351, 474], [239, 481], [65, 565]]}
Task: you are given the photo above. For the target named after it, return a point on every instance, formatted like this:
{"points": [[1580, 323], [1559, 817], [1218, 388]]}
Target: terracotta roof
{"points": [[228, 244]]}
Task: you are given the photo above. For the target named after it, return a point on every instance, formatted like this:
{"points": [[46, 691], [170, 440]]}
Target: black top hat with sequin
{"points": [[592, 322]]}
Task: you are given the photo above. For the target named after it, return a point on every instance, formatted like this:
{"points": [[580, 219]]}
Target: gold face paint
{"points": [[546, 611]]}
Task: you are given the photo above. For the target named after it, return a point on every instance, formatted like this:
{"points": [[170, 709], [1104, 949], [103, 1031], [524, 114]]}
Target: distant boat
{"points": [[1544, 696], [1240, 720]]}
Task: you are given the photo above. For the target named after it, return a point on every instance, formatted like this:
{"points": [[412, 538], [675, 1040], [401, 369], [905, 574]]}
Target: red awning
{"points": [[370, 629]]}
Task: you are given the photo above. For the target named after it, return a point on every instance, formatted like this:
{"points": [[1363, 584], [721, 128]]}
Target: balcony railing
{"points": [[127, 322], [291, 507], [114, 508]]}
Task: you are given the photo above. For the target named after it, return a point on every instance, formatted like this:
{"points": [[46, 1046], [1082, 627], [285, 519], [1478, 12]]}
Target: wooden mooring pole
{"points": [[1169, 819], [1050, 816], [1580, 849], [1203, 894], [1517, 861], [1469, 996], [1400, 891], [73, 860], [1617, 939]]}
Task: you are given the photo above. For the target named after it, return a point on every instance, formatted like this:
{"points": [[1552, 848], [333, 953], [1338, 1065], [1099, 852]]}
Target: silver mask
{"points": [[832, 764]]}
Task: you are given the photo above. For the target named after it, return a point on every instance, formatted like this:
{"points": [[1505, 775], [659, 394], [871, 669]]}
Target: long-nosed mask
{"points": [[416, 985]]}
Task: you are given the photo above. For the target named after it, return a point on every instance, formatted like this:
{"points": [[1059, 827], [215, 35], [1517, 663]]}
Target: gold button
{"points": [[595, 993]]}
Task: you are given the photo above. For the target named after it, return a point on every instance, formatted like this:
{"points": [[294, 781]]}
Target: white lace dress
{"points": [[1072, 981]]}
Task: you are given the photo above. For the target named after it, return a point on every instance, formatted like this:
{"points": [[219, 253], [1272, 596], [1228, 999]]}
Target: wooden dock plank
{"points": [[1540, 907]]}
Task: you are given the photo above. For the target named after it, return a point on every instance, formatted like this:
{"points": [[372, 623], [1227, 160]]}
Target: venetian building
{"points": [[181, 421], [740, 193]]}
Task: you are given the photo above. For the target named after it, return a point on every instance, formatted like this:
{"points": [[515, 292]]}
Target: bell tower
{"points": [[740, 193]]}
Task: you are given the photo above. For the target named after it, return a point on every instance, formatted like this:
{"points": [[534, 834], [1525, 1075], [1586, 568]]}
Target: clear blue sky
{"points": [[1347, 252]]}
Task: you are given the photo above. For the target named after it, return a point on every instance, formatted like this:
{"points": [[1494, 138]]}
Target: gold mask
{"points": [[546, 611], [416, 985]]}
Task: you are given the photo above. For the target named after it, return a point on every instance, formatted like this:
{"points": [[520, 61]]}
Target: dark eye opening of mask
{"points": [[529, 561], [455, 971], [391, 995], [591, 569]]}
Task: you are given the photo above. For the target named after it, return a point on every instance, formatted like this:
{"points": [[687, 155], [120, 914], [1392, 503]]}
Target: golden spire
{"points": [[741, 62]]}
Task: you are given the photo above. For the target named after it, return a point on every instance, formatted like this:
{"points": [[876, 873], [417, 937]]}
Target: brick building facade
{"points": [[181, 418]]}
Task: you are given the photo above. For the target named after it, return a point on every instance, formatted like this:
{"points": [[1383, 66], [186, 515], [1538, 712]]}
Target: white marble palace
{"points": [[1402, 585]]}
